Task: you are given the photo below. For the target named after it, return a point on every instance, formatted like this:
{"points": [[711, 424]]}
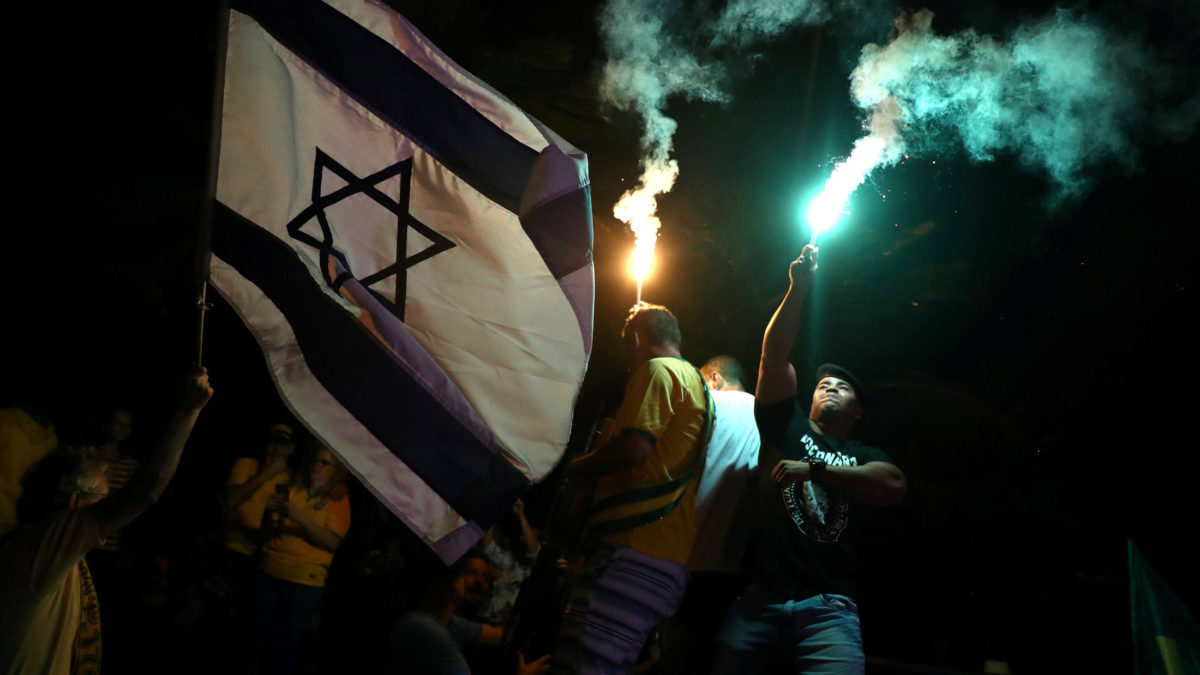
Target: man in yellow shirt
{"points": [[642, 518], [251, 482]]}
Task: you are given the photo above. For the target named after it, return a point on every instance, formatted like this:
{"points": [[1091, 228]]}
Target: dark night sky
{"points": [[1034, 371]]}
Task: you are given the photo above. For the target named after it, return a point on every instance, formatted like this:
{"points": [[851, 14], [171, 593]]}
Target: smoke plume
{"points": [[656, 50], [1063, 95]]}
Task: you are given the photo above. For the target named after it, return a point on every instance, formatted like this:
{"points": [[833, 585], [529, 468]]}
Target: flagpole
{"points": [[564, 483], [540, 596], [204, 234]]}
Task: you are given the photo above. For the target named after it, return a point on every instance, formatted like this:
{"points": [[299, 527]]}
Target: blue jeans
{"points": [[819, 634], [282, 612]]}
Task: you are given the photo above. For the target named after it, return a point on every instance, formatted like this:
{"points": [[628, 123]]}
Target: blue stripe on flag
{"points": [[561, 230], [377, 391], [385, 81]]}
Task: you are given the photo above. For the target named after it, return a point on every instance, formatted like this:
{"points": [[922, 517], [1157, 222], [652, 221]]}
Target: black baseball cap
{"points": [[281, 433], [833, 370]]}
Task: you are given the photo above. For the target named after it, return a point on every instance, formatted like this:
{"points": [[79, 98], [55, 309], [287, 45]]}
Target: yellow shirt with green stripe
{"points": [[289, 556], [666, 401]]}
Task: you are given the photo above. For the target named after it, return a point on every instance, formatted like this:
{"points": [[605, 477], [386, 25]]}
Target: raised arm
{"points": [[152, 476], [528, 535], [776, 375]]}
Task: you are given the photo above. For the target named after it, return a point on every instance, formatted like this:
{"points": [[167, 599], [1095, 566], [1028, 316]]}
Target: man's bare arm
{"points": [[313, 532], [153, 474], [528, 536], [490, 635], [874, 483], [236, 495], [627, 450], [776, 375]]}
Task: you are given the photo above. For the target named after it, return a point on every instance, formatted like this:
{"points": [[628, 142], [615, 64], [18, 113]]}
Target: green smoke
{"points": [[660, 48], [1064, 95]]}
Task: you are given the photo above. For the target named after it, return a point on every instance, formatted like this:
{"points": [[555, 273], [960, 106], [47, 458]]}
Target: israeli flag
{"points": [[411, 251]]}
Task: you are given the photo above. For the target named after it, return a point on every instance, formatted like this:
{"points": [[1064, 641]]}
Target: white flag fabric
{"points": [[412, 253]]}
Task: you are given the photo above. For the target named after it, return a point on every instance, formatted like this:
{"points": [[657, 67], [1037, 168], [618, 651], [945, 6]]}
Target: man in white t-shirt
{"points": [[721, 533]]}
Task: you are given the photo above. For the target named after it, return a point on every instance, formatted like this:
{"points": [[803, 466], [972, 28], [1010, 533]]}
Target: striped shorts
{"points": [[614, 602]]}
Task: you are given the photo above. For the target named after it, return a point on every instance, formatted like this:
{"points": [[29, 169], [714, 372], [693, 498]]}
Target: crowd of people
{"points": [[712, 525]]}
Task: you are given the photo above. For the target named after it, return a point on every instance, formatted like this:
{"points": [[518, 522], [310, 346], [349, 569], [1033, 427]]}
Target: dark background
{"points": [[1032, 370]]}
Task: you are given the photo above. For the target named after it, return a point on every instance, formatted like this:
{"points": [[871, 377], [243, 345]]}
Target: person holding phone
{"points": [[251, 482], [314, 517]]}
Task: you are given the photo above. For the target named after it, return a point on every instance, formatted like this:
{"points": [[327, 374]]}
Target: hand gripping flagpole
{"points": [[204, 233], [533, 622]]}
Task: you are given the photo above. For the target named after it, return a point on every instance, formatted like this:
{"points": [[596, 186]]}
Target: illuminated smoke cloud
{"points": [[1063, 95], [647, 64], [745, 22], [883, 146], [657, 50]]}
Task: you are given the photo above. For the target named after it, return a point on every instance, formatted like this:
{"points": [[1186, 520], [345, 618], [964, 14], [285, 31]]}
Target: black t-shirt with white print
{"points": [[798, 546]]}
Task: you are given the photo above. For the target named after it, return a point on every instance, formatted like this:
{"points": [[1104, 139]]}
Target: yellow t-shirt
{"points": [[665, 400], [245, 520], [23, 442], [289, 556]]}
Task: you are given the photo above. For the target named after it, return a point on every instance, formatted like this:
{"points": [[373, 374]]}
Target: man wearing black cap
{"points": [[797, 612]]}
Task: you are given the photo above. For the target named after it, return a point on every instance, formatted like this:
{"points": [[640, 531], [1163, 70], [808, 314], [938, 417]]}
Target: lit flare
{"points": [[882, 146], [637, 208], [847, 175]]}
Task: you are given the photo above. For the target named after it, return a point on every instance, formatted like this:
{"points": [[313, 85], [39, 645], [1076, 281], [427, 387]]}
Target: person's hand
{"points": [[575, 470], [604, 432], [275, 466], [535, 668], [569, 568], [281, 504], [790, 471], [196, 390], [801, 270], [519, 509]]}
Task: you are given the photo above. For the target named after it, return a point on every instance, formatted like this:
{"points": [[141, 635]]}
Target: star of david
{"points": [[367, 186]]}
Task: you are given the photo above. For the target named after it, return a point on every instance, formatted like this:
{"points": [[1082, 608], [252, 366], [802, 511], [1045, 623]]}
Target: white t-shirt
{"points": [[721, 530], [40, 591]]}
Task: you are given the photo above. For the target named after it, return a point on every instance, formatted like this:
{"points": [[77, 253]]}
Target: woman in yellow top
{"points": [[287, 591]]}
